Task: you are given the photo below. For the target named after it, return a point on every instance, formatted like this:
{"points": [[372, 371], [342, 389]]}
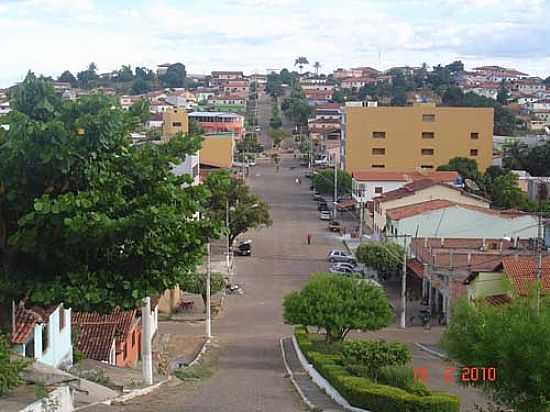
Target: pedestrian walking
{"points": [[309, 238], [297, 180]]}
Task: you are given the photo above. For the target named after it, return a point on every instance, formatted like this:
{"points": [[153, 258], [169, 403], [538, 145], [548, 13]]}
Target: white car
{"points": [[325, 215], [340, 256], [348, 266]]}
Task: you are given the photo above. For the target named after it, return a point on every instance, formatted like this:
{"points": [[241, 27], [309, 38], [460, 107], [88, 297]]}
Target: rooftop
{"points": [[381, 176], [214, 114], [522, 272]]}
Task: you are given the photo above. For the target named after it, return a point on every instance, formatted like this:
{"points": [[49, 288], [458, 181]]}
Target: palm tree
{"points": [[317, 66], [300, 62]]}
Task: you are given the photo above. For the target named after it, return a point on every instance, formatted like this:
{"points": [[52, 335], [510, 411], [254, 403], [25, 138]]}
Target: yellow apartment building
{"points": [[174, 121], [414, 137], [217, 150]]}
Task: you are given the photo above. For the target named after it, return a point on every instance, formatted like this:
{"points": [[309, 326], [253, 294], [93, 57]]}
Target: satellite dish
{"points": [[470, 184]]}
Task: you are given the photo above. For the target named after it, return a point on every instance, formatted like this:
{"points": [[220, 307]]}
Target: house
{"points": [[228, 102], [155, 120], [4, 108], [367, 185], [217, 150], [113, 338], [205, 93], [515, 276], [497, 74], [419, 191], [308, 85], [239, 88], [43, 334], [528, 85], [442, 267], [444, 218], [182, 101], [190, 166], [489, 90], [220, 122], [317, 97], [420, 136], [127, 101], [228, 75], [357, 83], [160, 107], [174, 121], [543, 104]]}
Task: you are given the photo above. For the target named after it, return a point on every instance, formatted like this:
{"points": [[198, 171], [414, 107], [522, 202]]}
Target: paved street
{"points": [[250, 375]]}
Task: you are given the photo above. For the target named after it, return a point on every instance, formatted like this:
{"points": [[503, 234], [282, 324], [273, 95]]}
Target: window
{"points": [[378, 189], [427, 152], [378, 166], [427, 166], [61, 317], [125, 350], [378, 151], [379, 135], [176, 124], [133, 338], [428, 135], [473, 152], [428, 117], [474, 135]]}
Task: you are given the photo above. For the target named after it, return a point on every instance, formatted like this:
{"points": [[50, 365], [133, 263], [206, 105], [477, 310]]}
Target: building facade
{"points": [[417, 137], [174, 121]]}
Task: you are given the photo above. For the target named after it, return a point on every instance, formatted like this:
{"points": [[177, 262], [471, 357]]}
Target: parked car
{"points": [[325, 215], [316, 195], [334, 226], [340, 256], [244, 248], [341, 270], [346, 265], [323, 206]]}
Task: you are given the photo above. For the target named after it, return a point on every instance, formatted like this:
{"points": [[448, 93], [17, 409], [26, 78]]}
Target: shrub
{"points": [[364, 393], [374, 354], [10, 366], [402, 377]]}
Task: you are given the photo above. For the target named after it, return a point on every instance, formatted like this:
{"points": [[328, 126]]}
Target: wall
{"points": [[170, 117], [217, 150], [132, 351], [369, 187], [58, 400], [488, 284], [432, 193], [403, 141], [459, 222], [60, 350]]}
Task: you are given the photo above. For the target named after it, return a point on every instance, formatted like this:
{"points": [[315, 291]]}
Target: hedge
{"points": [[364, 393]]}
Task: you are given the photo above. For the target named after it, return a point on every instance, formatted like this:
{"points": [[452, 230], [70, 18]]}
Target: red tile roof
{"points": [[522, 272], [430, 205], [416, 267], [25, 321], [96, 331], [418, 208], [381, 176], [498, 299]]}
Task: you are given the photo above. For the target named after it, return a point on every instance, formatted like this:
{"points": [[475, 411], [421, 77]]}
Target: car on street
{"points": [[334, 226], [347, 265], [323, 206], [340, 256], [325, 215], [343, 270]]}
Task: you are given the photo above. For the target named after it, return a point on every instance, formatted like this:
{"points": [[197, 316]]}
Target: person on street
{"points": [[297, 180], [309, 238]]}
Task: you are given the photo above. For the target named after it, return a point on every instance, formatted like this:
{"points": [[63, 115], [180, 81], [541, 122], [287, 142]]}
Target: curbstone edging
{"points": [[322, 382], [431, 351], [308, 403], [200, 353]]}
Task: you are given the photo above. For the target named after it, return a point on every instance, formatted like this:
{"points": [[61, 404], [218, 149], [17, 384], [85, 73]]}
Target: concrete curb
{"points": [[322, 382], [431, 351], [200, 353], [308, 403]]}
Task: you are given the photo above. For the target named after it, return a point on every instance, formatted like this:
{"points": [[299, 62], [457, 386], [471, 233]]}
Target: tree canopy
{"points": [[175, 76], [85, 77], [67, 77], [195, 282], [246, 209], [512, 339], [338, 304], [324, 182], [385, 258], [85, 217]]}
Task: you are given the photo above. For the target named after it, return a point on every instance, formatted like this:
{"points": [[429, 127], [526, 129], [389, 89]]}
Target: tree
{"points": [[324, 182], [467, 168], [67, 77], [510, 338], [195, 282], [338, 96], [246, 209], [140, 86], [277, 136], [506, 193], [145, 73], [547, 81], [301, 62], [385, 258], [537, 160], [338, 304], [125, 74], [503, 95], [274, 86], [86, 76], [515, 155], [455, 67], [275, 121], [399, 98], [505, 121], [453, 96], [317, 66], [10, 367], [85, 217], [175, 76], [287, 78]]}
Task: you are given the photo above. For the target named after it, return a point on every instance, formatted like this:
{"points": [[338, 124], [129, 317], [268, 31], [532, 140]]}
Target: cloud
{"points": [[50, 36]]}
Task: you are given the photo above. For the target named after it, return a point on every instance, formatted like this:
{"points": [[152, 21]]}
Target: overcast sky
{"points": [[49, 36]]}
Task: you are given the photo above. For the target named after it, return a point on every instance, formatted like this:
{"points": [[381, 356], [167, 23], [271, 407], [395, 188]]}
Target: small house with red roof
{"points": [[113, 338], [43, 334]]}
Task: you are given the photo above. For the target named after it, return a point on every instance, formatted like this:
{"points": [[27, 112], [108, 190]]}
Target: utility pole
{"points": [[228, 246], [361, 214], [539, 254], [449, 288], [335, 187], [403, 322], [208, 311], [146, 355]]}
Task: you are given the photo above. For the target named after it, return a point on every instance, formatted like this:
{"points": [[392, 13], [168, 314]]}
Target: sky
{"points": [[50, 36]]}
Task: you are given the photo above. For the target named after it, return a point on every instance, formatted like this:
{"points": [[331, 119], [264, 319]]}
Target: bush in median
{"points": [[363, 393]]}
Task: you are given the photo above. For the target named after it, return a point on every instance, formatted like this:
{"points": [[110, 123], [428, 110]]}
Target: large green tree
{"points": [[195, 282], [230, 196], [85, 217], [506, 193], [67, 77], [301, 62], [385, 258], [175, 76], [324, 182], [514, 340], [85, 77], [338, 304]]}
